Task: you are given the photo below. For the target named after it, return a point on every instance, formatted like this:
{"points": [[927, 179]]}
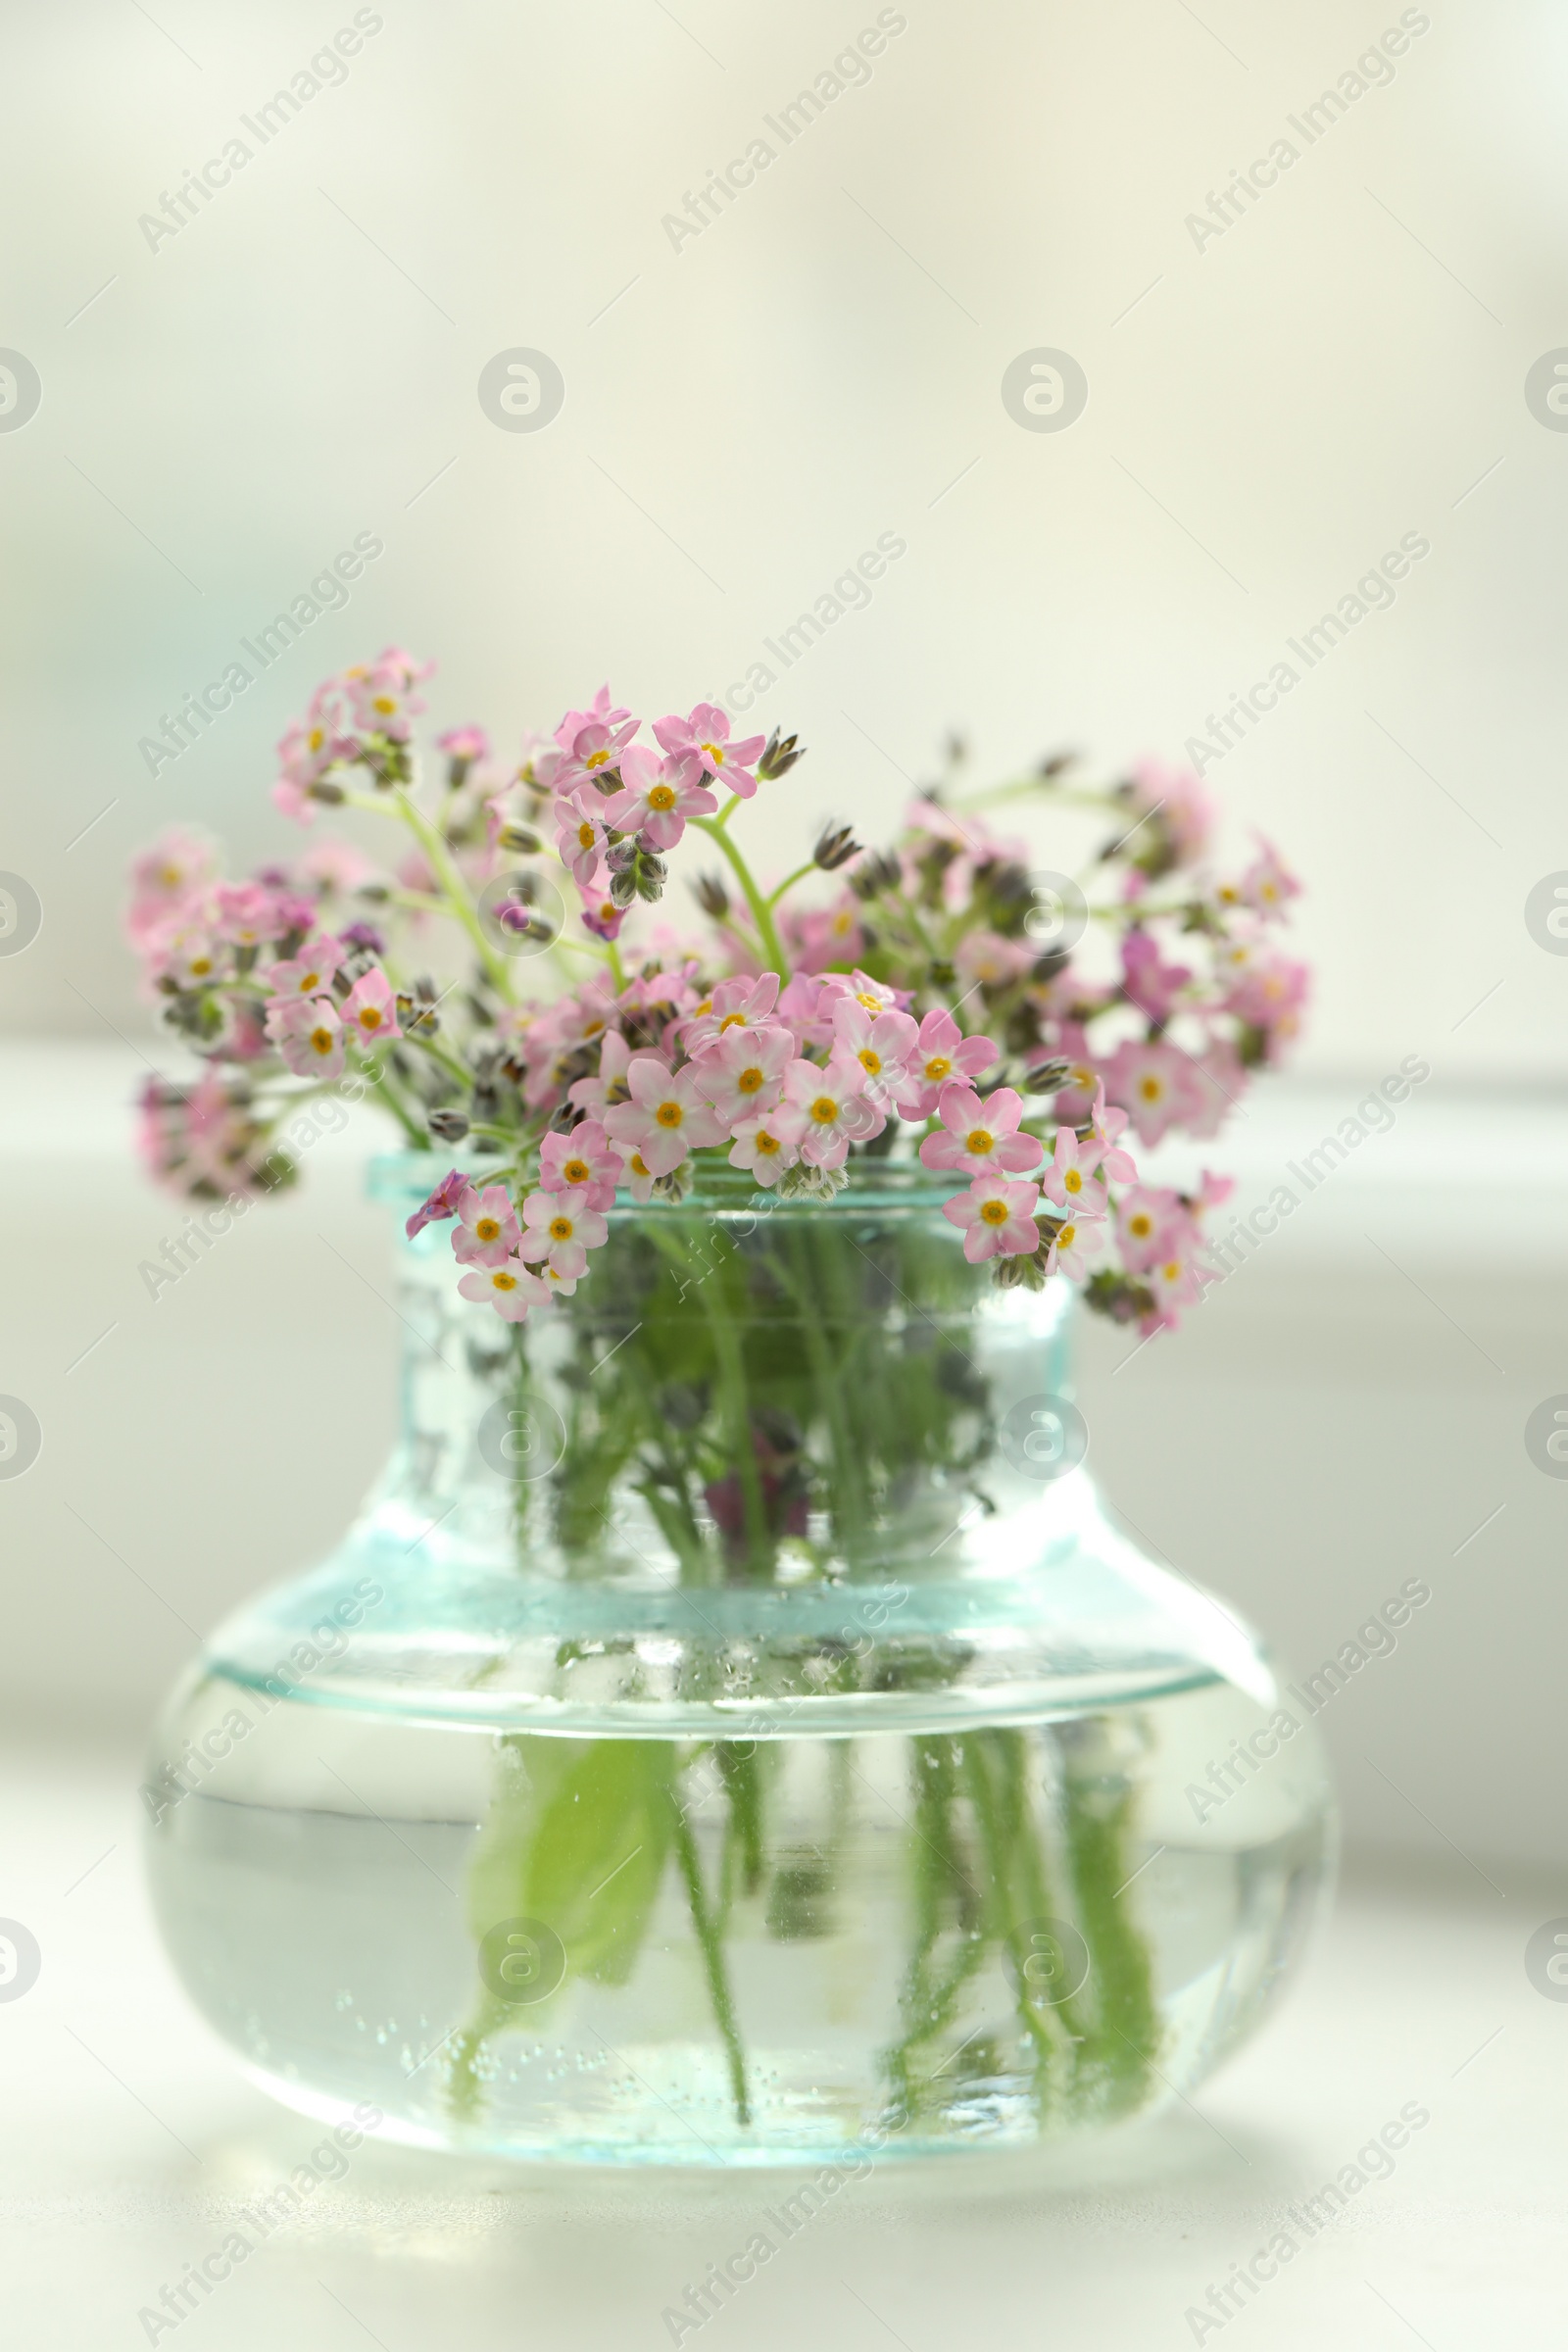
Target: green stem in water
{"points": [[713, 1951], [762, 912]]}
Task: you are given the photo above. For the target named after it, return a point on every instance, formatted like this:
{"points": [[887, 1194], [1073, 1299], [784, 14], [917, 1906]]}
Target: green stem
{"points": [[761, 914], [444, 866], [790, 880], [713, 1958]]}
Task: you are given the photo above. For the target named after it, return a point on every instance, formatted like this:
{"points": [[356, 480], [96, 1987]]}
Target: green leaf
{"points": [[577, 1838]]}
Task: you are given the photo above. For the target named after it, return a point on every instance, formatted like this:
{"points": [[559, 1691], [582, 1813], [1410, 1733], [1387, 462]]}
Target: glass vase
{"points": [[733, 1731]]}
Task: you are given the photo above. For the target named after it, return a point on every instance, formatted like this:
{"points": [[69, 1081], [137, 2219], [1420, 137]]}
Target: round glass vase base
{"points": [[618, 1949]]}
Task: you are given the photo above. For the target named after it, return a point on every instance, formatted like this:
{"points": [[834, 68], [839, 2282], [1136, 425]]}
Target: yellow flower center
{"points": [[171, 876], [1066, 1236], [321, 1040], [200, 967], [1172, 1271], [749, 1082], [716, 753], [576, 1171], [732, 1020], [384, 702], [369, 1017], [871, 1003], [1150, 1088], [669, 1114], [1142, 1225], [561, 1229], [1073, 1181], [310, 983], [869, 1060], [315, 738], [586, 835], [501, 1280], [638, 1166], [487, 1229], [767, 1142], [938, 1068], [662, 798], [824, 1111], [979, 1141], [995, 1212], [596, 759]]}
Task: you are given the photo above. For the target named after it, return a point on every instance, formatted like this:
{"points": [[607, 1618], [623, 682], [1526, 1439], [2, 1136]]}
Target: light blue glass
{"points": [[733, 1731]]}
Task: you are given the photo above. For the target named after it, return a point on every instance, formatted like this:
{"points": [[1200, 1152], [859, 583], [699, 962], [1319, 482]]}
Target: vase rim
{"points": [[403, 1179]]}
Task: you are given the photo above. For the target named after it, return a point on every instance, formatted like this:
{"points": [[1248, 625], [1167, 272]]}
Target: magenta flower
{"points": [[487, 1232], [383, 695], [508, 1287], [705, 735], [836, 1111], [1148, 1222], [883, 1043], [1155, 1084], [1069, 1177], [592, 741], [743, 1071], [1106, 1125], [371, 1008], [824, 935], [584, 1160], [467, 743], [1269, 884], [981, 1138], [1147, 981], [308, 972], [561, 1228], [167, 878], [667, 1116], [1173, 798], [610, 1086], [443, 1203], [579, 838], [305, 752], [807, 1005], [600, 914], [941, 1053], [770, 1143], [308, 1034], [986, 959], [738, 1003], [996, 1217], [1264, 990], [656, 797], [250, 914], [1075, 1244]]}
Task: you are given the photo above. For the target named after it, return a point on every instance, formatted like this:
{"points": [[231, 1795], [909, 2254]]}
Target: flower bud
{"points": [[836, 844]]}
